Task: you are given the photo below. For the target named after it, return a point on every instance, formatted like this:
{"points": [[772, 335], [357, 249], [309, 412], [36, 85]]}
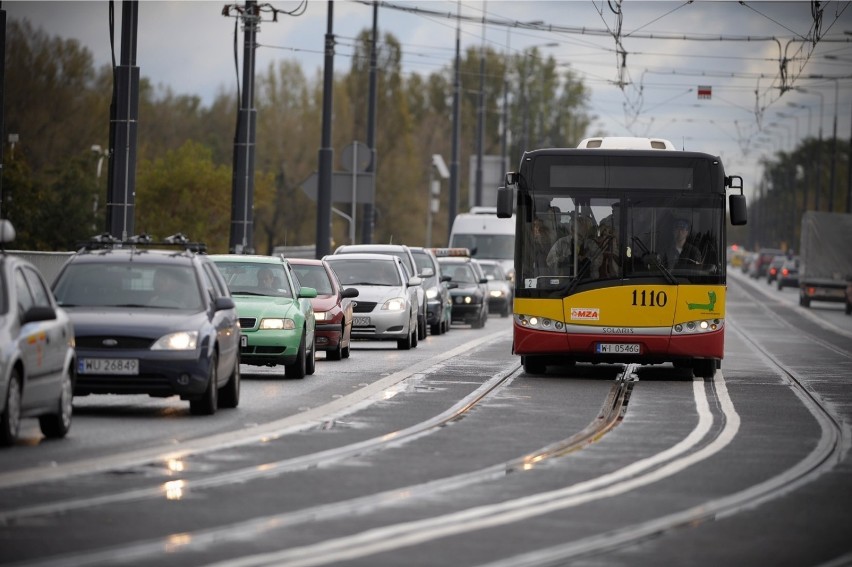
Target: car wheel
{"points": [[435, 329], [704, 368], [229, 394], [779, 285], [311, 360], [298, 369], [344, 353], [209, 401], [10, 420], [405, 344], [533, 365], [804, 300], [848, 308], [421, 328], [335, 354], [56, 425]]}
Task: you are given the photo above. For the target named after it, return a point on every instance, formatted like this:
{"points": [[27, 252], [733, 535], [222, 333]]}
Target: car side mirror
{"points": [[307, 293], [414, 281], [222, 303], [349, 292], [427, 273], [38, 313]]}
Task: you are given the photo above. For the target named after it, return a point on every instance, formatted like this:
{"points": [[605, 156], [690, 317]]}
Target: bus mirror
{"points": [[505, 203], [737, 208]]}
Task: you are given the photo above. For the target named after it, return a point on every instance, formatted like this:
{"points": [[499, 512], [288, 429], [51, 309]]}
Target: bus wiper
{"points": [[655, 260]]}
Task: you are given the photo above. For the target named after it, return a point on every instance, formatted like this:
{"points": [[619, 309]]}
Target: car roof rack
{"points": [[106, 241]]}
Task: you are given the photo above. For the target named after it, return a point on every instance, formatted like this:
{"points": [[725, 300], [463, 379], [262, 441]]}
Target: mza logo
{"points": [[585, 313]]}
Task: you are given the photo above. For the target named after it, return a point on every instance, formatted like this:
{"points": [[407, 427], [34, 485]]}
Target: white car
{"points": [[37, 356], [386, 307]]}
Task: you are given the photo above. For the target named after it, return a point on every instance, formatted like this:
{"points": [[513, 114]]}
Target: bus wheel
{"points": [[704, 368], [533, 365]]}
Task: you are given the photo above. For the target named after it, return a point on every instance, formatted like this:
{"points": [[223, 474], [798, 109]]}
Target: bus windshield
{"points": [[573, 238]]}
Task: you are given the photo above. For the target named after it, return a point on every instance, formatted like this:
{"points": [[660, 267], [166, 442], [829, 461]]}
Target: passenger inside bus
{"points": [[577, 250]]}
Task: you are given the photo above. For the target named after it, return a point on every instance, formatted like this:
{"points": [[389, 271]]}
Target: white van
{"points": [[486, 236]]}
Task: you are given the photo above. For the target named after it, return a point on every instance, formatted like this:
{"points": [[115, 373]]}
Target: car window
{"points": [[423, 261], [461, 273], [113, 284], [256, 278], [41, 296], [366, 272], [22, 291], [213, 281], [315, 277]]}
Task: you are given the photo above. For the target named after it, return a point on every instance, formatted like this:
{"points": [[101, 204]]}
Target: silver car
{"points": [[500, 294], [409, 263], [386, 307], [37, 355]]}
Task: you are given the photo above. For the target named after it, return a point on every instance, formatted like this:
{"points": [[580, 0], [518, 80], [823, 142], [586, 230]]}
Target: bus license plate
{"points": [[121, 366], [618, 348], [361, 321]]}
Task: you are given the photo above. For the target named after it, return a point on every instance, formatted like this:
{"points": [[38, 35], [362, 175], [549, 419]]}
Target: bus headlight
{"points": [[539, 323]]}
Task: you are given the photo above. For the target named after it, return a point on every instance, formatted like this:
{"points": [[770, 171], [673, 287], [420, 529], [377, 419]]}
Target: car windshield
{"points": [[366, 272], [423, 260], [492, 272], [315, 277], [113, 284], [255, 278], [461, 273]]}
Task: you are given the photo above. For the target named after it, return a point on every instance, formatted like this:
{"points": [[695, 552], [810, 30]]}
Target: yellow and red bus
{"points": [[620, 255]]}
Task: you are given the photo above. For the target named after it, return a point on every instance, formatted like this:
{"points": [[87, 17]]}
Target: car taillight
{"points": [[785, 272]]}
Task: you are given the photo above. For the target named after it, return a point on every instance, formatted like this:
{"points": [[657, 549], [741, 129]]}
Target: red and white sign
{"points": [[705, 91], [585, 314]]}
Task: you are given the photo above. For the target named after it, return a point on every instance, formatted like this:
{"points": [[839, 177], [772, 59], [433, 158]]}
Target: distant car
{"points": [[386, 308], [761, 260], [37, 356], [439, 306], [788, 275], [500, 294], [470, 296], [333, 306], [152, 318], [276, 316], [774, 267], [403, 253]]}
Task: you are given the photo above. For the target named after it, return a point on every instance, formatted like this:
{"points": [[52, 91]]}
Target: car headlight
{"points": [[395, 304], [277, 324], [432, 292], [182, 340], [323, 315], [496, 293]]}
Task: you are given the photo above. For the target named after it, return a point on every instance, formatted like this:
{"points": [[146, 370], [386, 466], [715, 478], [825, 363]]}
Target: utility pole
{"points": [[124, 114], [368, 222], [454, 159], [480, 131], [242, 182], [2, 98], [326, 152]]}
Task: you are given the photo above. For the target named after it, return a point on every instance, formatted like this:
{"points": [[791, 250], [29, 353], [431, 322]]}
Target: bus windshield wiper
{"points": [[655, 260]]}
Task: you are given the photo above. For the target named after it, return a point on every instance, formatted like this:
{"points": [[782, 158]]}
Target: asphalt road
{"points": [[449, 454]]}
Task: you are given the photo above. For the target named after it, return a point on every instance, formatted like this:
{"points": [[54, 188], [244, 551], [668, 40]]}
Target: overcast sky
{"points": [[734, 48]]}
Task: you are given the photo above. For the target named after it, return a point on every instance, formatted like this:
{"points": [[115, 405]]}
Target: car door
{"points": [[42, 343], [225, 321]]}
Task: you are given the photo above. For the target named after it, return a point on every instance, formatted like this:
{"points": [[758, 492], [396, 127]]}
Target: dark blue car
{"points": [[152, 321]]}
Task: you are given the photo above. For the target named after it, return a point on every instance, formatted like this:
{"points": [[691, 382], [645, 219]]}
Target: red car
{"points": [[332, 306]]}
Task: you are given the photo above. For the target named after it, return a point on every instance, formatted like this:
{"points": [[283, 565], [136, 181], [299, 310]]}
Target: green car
{"points": [[276, 318]]}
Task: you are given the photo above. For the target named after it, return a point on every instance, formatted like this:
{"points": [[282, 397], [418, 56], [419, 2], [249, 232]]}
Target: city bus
{"points": [[620, 255]]}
